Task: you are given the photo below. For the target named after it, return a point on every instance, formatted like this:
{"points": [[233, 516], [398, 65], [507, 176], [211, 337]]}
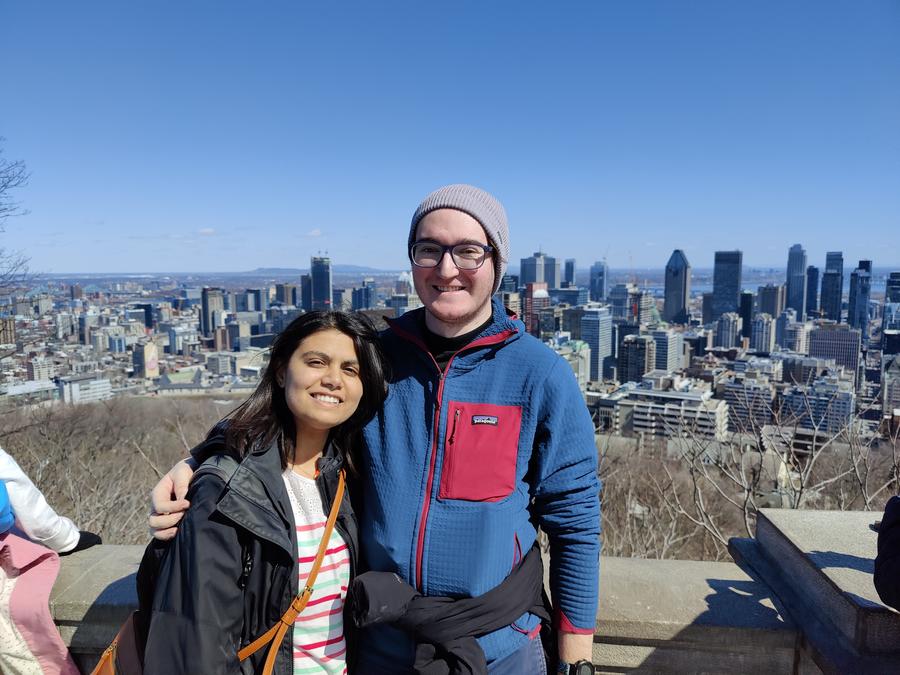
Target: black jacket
{"points": [[887, 564], [231, 571]]}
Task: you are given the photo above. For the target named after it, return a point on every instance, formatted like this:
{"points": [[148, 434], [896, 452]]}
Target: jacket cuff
{"points": [[566, 626]]}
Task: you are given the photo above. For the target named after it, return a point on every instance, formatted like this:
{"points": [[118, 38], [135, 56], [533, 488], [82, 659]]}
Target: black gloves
{"points": [[85, 540]]}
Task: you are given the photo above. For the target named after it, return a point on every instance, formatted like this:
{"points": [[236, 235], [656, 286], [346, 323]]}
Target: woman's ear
{"points": [[279, 378]]}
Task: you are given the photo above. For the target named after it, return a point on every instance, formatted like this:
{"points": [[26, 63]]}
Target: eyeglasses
{"points": [[428, 253]]}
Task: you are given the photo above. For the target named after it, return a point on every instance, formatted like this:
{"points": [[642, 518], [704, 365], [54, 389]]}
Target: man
{"points": [[887, 563], [484, 436]]}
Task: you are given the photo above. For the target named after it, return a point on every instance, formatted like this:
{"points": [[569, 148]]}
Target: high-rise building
{"points": [[812, 291], [678, 288], [748, 300], [762, 337], [839, 342], [637, 356], [552, 275], [669, 349], [858, 305], [827, 404], [536, 298], [211, 301], [796, 280], [785, 319], [596, 331], [890, 327], [707, 309], [509, 283], [260, 299], [833, 286], [8, 329], [892, 287], [320, 275], [599, 280], [726, 282], [569, 273], [532, 269], [890, 380], [771, 299], [728, 330], [364, 296], [146, 360], [306, 292], [284, 293]]}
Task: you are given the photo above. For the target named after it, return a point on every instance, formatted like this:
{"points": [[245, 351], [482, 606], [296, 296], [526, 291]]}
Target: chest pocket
{"points": [[480, 451]]}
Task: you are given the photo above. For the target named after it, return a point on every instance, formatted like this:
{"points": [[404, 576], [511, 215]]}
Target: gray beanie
{"points": [[482, 207]]}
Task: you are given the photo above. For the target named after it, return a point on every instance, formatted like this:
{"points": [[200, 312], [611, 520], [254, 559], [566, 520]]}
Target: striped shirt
{"points": [[319, 645]]}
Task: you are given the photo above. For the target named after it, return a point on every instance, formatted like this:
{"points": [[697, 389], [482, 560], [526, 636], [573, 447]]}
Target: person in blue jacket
{"points": [[483, 438], [887, 563]]}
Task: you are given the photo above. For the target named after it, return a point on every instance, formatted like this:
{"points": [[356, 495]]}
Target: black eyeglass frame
{"points": [[449, 249]]}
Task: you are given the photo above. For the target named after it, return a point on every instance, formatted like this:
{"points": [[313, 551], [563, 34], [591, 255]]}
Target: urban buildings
{"points": [[892, 287], [596, 331], [838, 342], [569, 273], [599, 281], [858, 303], [726, 282], [677, 288], [827, 404], [771, 299], [212, 303], [762, 337], [728, 330], [833, 286], [796, 280], [637, 356], [320, 277], [812, 291], [669, 347]]}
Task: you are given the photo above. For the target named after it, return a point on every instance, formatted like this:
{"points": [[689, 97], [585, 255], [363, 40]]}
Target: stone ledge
{"points": [[661, 616]]}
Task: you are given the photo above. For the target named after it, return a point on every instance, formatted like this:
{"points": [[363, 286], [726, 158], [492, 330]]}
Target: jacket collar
{"points": [[504, 327]]}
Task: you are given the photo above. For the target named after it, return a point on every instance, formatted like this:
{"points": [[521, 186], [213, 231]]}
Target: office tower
{"points": [[147, 309], [244, 302], [678, 288], [512, 300], [86, 324], [320, 275], [599, 281], [707, 309], [364, 297], [260, 299], [771, 299], [812, 291], [833, 286], [762, 337], [569, 273], [341, 299], [146, 360], [306, 292], [669, 348], [748, 299], [858, 305], [552, 274], [509, 284], [637, 356], [728, 330], [839, 342], [211, 301], [890, 327], [827, 404], [532, 270], [892, 287], [75, 292], [284, 293], [536, 298], [726, 282], [796, 280], [784, 319], [596, 331], [796, 337]]}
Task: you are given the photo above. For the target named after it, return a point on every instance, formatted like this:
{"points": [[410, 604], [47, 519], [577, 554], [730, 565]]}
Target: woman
{"points": [[246, 547]]}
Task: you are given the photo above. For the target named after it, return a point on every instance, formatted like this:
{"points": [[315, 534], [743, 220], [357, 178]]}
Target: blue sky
{"points": [[215, 136]]}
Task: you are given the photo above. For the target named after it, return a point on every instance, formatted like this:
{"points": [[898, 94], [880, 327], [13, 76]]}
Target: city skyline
{"points": [[219, 138]]}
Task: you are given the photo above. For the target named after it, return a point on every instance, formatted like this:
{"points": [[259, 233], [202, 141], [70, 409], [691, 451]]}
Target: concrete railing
{"points": [[799, 610]]}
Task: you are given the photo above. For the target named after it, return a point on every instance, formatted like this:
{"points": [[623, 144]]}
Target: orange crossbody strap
{"points": [[276, 633]]}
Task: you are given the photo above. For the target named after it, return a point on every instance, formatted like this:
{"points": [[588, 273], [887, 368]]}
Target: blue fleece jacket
{"points": [[462, 465]]}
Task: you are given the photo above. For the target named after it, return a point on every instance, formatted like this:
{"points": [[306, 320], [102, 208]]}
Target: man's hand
{"points": [[573, 648], [167, 500]]}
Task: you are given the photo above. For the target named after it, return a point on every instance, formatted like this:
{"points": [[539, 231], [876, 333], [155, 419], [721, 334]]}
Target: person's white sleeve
{"points": [[34, 516]]}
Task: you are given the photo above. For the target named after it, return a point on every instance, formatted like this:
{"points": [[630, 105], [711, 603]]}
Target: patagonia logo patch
{"points": [[493, 420]]}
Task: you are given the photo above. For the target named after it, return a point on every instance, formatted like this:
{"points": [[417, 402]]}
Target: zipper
{"points": [[432, 461], [455, 421]]}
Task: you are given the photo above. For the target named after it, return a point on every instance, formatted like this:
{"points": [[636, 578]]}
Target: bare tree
{"points": [[13, 264]]}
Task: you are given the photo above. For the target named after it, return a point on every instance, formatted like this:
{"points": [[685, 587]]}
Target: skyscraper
{"points": [[838, 342], [728, 330], [669, 348], [637, 356], [796, 280], [746, 312], [726, 282], [599, 280], [569, 274], [762, 338], [212, 300], [812, 291], [833, 286], [678, 288], [596, 330], [892, 287], [858, 305], [771, 299], [531, 269], [320, 277]]}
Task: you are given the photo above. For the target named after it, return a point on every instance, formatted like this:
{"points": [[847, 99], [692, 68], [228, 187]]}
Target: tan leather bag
{"points": [[121, 657]]}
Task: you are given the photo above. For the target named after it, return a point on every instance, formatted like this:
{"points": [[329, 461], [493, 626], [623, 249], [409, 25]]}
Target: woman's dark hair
{"points": [[265, 416]]}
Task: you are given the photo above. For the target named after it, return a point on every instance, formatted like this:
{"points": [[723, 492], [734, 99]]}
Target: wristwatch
{"points": [[578, 668]]}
